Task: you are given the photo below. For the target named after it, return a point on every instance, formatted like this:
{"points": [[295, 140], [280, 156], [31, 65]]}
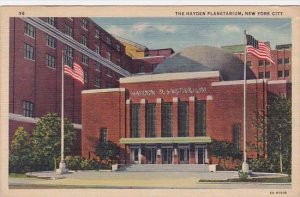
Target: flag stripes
{"points": [[76, 72], [262, 51]]}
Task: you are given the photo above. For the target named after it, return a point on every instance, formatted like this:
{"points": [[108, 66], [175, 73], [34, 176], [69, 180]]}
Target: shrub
{"points": [[243, 176], [264, 165], [80, 163]]}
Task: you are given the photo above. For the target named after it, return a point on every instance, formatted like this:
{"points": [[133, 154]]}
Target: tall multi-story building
{"points": [[36, 58], [263, 69], [36, 49]]}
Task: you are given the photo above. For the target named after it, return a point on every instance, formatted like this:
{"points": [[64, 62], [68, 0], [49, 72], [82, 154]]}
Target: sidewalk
{"points": [[104, 179]]}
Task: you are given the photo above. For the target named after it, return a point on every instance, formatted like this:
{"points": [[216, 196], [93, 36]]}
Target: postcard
{"points": [[149, 100]]}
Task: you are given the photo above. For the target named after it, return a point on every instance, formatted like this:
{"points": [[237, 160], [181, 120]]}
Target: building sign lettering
{"points": [[169, 91]]}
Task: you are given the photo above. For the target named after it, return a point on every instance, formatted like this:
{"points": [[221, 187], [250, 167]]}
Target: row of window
{"points": [[51, 42], [267, 75], [167, 119], [267, 63]]}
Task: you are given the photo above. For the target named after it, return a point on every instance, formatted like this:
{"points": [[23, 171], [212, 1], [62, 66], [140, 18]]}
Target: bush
{"points": [[243, 176], [80, 163], [264, 165], [20, 156]]}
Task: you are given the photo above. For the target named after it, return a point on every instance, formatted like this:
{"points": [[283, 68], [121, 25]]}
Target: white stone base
{"points": [[62, 168], [245, 167]]}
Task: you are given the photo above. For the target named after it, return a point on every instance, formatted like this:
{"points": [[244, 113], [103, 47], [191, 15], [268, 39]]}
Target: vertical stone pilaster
{"points": [[191, 116], [143, 117], [209, 111], [158, 117], [175, 117], [127, 131]]}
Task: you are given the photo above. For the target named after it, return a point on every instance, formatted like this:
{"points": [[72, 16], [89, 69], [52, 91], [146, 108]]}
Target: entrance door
{"points": [[151, 155], [135, 155], [184, 155], [167, 155], [201, 155]]}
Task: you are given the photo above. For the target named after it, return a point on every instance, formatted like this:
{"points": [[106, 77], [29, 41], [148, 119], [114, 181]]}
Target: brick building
{"points": [[263, 69], [36, 46], [172, 115]]}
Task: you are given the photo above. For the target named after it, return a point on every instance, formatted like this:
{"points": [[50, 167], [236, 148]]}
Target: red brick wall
{"points": [[272, 68], [107, 111]]}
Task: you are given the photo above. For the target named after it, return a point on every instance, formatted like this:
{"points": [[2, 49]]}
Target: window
{"points": [[260, 62], [97, 66], [103, 135], [236, 135], [280, 73], [50, 61], [97, 33], [28, 51], [51, 42], [29, 30], [200, 118], [142, 68], [249, 63], [109, 56], [51, 21], [97, 81], [118, 47], [267, 63], [167, 120], [286, 73], [27, 109], [108, 72], [84, 59], [108, 40], [86, 76], [150, 120], [135, 120], [84, 23], [118, 61], [84, 40], [260, 75], [267, 75], [69, 30], [286, 60], [279, 61], [183, 119], [69, 56], [97, 49]]}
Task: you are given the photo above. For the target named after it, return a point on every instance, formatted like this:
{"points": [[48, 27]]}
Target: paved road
{"points": [[140, 180]]}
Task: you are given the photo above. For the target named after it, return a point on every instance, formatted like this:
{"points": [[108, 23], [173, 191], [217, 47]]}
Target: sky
{"points": [[179, 33]]}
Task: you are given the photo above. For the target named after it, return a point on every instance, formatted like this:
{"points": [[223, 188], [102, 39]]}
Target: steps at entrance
{"points": [[164, 168]]}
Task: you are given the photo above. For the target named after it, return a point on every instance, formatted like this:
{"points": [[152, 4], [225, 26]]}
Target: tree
{"points": [[108, 151], [275, 125], [20, 156], [224, 150], [46, 140]]}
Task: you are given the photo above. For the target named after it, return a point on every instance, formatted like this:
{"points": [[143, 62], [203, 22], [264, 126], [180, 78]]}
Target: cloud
{"points": [[167, 28], [116, 30], [143, 27], [231, 29]]}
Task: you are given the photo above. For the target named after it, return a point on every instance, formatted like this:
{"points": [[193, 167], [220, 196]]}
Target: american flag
{"points": [[76, 72], [258, 49]]}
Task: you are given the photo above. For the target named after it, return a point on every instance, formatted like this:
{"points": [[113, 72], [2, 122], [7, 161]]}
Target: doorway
{"points": [[151, 155], [167, 155], [184, 155]]}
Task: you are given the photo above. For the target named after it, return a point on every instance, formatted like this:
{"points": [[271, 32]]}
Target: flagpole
{"points": [[62, 166], [245, 166]]}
